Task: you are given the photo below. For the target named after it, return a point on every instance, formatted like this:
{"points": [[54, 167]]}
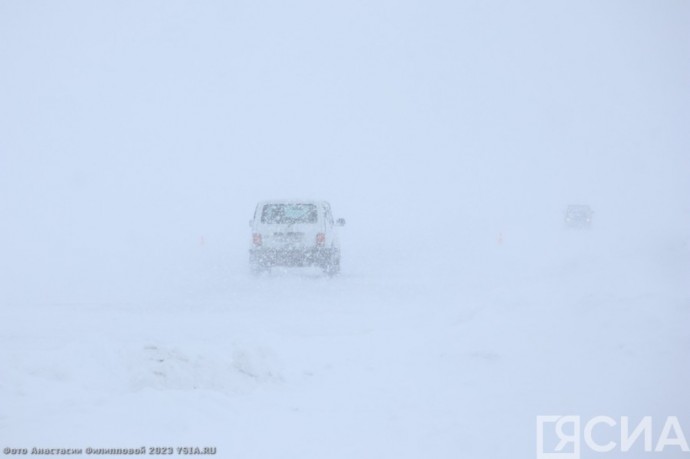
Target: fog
{"points": [[137, 137]]}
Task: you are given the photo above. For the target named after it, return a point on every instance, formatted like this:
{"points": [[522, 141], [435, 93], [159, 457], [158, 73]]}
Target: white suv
{"points": [[294, 233], [578, 216]]}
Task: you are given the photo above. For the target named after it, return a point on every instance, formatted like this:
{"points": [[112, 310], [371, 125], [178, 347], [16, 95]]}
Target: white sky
{"points": [[163, 120]]}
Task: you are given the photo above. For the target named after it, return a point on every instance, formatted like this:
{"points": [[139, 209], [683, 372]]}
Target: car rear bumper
{"points": [[577, 223], [266, 257]]}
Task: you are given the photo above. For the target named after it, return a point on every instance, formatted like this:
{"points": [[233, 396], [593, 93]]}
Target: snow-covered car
{"points": [[578, 216], [294, 233]]}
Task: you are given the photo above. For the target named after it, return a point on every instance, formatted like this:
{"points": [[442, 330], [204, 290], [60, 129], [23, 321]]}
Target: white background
{"points": [[137, 136]]}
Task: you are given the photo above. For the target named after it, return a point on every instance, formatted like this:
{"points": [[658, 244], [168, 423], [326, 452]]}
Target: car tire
{"points": [[332, 266], [256, 266]]}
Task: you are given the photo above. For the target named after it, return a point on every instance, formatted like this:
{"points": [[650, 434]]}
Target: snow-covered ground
{"points": [[386, 360], [137, 136]]}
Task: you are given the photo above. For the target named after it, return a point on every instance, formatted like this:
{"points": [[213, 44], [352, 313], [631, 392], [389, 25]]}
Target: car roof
{"points": [[293, 201]]}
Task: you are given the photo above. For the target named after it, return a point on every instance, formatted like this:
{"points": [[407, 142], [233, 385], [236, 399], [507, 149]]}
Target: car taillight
{"points": [[320, 239], [256, 239]]}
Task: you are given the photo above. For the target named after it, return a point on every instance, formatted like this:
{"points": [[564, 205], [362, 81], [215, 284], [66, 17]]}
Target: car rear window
{"points": [[289, 213], [579, 210]]}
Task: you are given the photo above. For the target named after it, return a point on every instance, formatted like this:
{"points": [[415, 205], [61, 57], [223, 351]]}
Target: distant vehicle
{"points": [[294, 233], [578, 216]]}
